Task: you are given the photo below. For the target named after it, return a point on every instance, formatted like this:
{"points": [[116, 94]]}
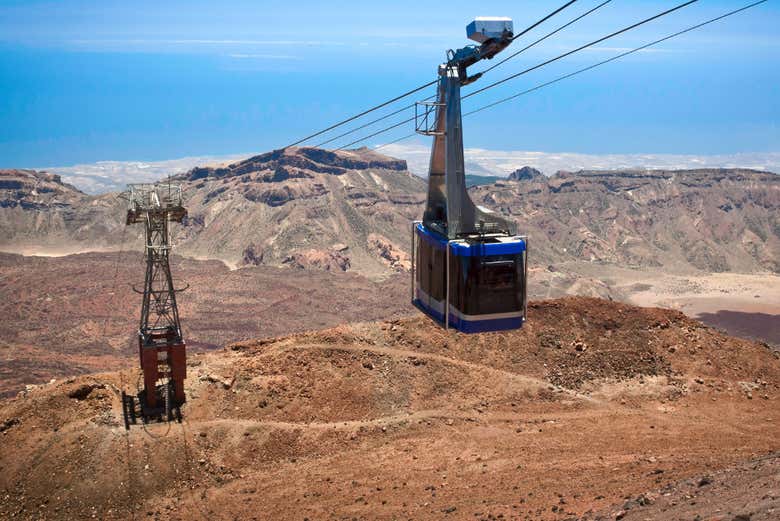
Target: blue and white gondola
{"points": [[469, 266], [482, 286]]}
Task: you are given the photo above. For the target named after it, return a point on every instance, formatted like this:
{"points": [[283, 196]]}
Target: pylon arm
{"points": [[141, 292]]}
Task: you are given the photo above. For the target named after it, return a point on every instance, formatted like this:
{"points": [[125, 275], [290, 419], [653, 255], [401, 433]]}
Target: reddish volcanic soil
{"points": [[78, 314], [747, 491], [594, 410]]}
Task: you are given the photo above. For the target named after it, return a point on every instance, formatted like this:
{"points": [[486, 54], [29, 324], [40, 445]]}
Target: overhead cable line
{"points": [[561, 8], [417, 89], [407, 107], [340, 123], [594, 42], [411, 106], [591, 67], [621, 55], [386, 129], [540, 65], [383, 145], [532, 44]]}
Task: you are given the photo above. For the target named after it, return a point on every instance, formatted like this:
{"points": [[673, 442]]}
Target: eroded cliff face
{"points": [[29, 189], [713, 220], [294, 206], [287, 207], [41, 213], [526, 173], [302, 207]]}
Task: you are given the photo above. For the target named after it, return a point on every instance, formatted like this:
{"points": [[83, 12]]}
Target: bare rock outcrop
{"points": [[526, 173], [327, 260], [390, 253], [714, 220]]}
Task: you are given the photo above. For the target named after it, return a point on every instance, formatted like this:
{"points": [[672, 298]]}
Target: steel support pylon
{"points": [[449, 210], [160, 341]]}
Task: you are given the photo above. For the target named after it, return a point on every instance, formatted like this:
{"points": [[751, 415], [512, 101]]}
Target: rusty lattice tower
{"points": [[160, 341]]}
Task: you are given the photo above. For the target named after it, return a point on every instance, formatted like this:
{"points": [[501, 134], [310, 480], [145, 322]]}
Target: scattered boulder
{"points": [[580, 346], [252, 255], [7, 424], [83, 391], [224, 382]]}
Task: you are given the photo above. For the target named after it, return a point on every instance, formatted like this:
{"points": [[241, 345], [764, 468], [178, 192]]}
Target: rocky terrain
{"points": [[658, 416], [746, 491], [595, 410], [297, 220], [303, 207], [78, 313], [350, 211], [707, 220]]}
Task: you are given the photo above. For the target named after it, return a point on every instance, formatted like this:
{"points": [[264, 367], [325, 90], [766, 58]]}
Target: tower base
{"points": [[163, 361]]}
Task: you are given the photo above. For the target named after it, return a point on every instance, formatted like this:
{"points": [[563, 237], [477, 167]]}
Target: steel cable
{"points": [[538, 66], [590, 67], [569, 53], [417, 89], [539, 40]]}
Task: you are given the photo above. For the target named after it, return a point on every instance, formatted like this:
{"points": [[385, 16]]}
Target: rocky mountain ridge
{"points": [[350, 210], [303, 207], [713, 220]]}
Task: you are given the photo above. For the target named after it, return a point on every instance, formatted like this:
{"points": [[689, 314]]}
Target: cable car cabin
{"points": [[469, 265], [474, 284]]}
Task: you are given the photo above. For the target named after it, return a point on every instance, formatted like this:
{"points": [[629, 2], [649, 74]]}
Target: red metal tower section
{"points": [[160, 342]]}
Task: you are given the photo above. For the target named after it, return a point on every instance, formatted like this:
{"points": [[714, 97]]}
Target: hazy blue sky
{"points": [[118, 80]]}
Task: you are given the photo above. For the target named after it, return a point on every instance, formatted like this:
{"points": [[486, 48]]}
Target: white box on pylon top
{"points": [[483, 28]]}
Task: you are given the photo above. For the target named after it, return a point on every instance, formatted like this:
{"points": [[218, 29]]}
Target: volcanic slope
{"points": [[302, 207], [350, 210], [720, 220], [305, 207], [746, 491], [592, 402], [39, 212], [76, 314]]}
